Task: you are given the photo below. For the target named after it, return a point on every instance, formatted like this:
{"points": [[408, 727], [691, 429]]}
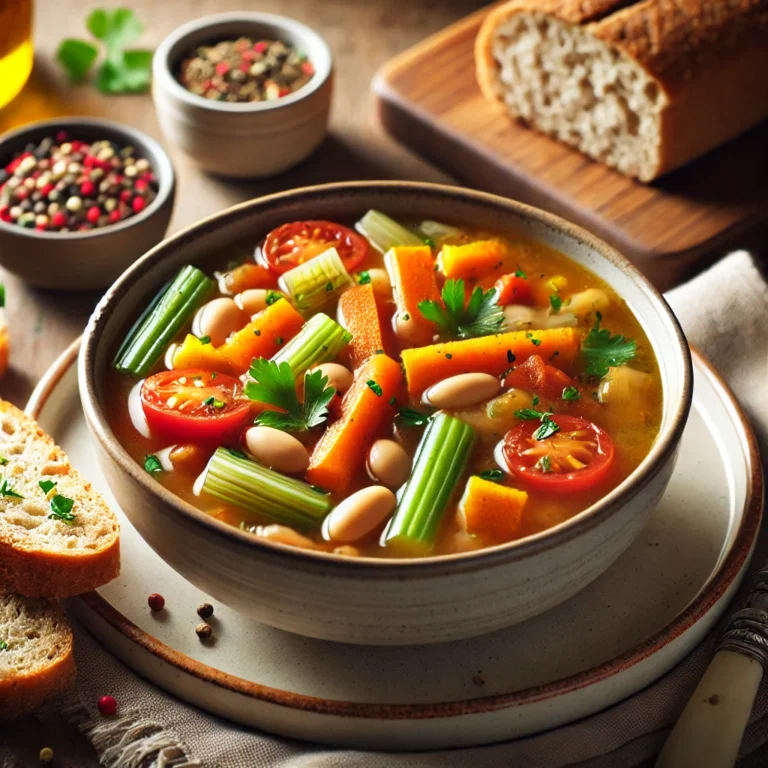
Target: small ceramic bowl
{"points": [[367, 600], [78, 261], [245, 140]]}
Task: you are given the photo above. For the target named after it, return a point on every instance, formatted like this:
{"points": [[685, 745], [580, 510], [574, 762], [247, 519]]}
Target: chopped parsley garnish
{"points": [[448, 356], [318, 489], [7, 490], [328, 287], [494, 475], [547, 428], [543, 464], [374, 387], [602, 351], [3, 461], [2, 294], [257, 332], [529, 414], [378, 351], [555, 302], [428, 241], [510, 356], [47, 486], [393, 400], [272, 297], [571, 393], [279, 341], [275, 384], [152, 463], [204, 339], [519, 273], [363, 278], [535, 400], [3, 645], [482, 316], [406, 317], [536, 342], [61, 509], [410, 417], [237, 454], [213, 375], [214, 403]]}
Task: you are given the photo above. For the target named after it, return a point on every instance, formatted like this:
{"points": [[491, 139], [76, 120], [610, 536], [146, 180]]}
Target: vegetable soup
{"points": [[392, 390]]}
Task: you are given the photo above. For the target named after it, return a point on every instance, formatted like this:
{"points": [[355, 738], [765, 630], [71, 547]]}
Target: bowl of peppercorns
{"points": [[243, 94], [80, 200]]}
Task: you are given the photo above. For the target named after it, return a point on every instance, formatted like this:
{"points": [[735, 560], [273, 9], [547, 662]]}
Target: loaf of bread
{"points": [[644, 87], [49, 547], [36, 658]]}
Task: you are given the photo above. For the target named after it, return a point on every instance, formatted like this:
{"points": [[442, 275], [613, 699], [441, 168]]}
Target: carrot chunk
{"points": [[263, 336], [412, 271], [357, 307], [425, 366], [248, 276], [473, 259], [534, 375], [492, 511], [366, 407]]}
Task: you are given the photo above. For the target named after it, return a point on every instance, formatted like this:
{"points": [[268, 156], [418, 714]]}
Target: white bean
{"points": [[519, 317], [408, 330], [284, 535], [360, 513], [217, 319], [584, 302], [462, 391], [625, 387], [252, 301], [277, 449], [380, 281], [169, 353], [388, 463], [339, 377]]}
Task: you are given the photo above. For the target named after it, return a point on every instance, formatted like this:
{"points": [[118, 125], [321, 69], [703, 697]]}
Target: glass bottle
{"points": [[16, 48]]}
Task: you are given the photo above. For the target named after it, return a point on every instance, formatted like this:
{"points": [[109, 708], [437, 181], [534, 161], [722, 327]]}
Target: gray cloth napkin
{"points": [[724, 313]]}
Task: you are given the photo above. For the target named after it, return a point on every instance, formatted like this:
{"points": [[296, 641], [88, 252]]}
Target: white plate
{"points": [[622, 632]]}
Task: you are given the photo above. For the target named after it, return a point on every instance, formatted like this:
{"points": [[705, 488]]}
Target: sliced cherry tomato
{"points": [[192, 404], [292, 244], [576, 458], [514, 290], [534, 375]]}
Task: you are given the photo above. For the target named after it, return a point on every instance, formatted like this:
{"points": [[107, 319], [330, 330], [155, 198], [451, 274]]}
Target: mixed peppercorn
{"points": [[66, 185], [245, 70]]}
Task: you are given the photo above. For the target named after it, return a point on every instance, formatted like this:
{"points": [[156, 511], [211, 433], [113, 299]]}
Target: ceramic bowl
{"points": [[74, 261], [365, 600], [246, 140]]}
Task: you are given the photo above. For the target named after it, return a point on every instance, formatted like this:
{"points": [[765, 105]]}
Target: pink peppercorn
{"points": [[46, 190], [126, 195], [222, 68], [114, 217], [141, 185], [89, 161], [61, 136], [308, 68], [107, 706], [21, 193], [59, 219], [138, 204], [260, 47], [93, 214], [40, 227], [87, 189]]}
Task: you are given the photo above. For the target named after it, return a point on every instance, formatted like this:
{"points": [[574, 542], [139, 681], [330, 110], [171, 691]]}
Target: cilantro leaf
{"points": [[152, 463], [410, 417], [547, 428], [602, 351], [571, 393], [482, 315], [77, 58], [47, 485], [529, 414], [3, 645], [3, 461], [7, 490], [494, 475], [61, 509], [274, 384]]}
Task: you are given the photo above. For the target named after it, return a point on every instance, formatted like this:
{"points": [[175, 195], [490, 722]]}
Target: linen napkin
{"points": [[724, 313]]}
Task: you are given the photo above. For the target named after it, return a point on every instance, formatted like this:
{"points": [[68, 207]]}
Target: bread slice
{"points": [[36, 658], [642, 86], [41, 555]]}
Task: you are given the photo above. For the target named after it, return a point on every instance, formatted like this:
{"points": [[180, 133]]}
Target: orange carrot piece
{"points": [[473, 259], [412, 271], [425, 366], [357, 307], [492, 511], [194, 354], [247, 276], [342, 449], [263, 336]]}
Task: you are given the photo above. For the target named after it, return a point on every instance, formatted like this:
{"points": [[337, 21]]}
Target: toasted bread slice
{"points": [[36, 658], [42, 555]]}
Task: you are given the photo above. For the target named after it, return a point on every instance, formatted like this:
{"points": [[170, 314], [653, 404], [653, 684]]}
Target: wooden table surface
{"points": [[362, 34]]}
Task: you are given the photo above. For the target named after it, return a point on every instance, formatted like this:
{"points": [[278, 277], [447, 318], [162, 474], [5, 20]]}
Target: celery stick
{"points": [[236, 480], [384, 233], [440, 460], [319, 341], [437, 231], [148, 340], [316, 282]]}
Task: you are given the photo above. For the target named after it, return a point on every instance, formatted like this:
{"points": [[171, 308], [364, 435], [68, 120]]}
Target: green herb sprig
{"points": [[61, 506], [482, 316], [602, 351]]}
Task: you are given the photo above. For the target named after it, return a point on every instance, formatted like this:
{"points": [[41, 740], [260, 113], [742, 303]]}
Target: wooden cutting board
{"points": [[427, 98]]}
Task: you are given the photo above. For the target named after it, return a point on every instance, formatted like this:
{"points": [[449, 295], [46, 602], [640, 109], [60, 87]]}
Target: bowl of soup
{"points": [[386, 412]]}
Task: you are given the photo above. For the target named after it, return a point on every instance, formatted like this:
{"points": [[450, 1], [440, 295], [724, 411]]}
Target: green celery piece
{"points": [[440, 461], [384, 233], [262, 491], [316, 282], [319, 341]]}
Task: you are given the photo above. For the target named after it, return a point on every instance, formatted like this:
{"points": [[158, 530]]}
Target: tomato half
{"points": [[513, 290], [534, 375], [292, 244], [576, 458], [193, 404]]}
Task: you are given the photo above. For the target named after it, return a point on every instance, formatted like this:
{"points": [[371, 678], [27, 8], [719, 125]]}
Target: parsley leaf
{"points": [[602, 351], [519, 273], [3, 461], [272, 297], [204, 339], [3, 645], [61, 509], [555, 302], [374, 387], [529, 414], [152, 463], [482, 316], [274, 384], [7, 490], [363, 278], [494, 475], [47, 485], [547, 428], [410, 417], [237, 454], [212, 402], [535, 400], [77, 57], [571, 393]]}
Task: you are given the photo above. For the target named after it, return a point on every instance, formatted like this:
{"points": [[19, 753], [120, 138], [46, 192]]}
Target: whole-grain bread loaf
{"points": [[644, 87]]}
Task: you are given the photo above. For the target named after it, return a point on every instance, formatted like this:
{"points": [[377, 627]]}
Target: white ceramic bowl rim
{"points": [[662, 449], [148, 147], [162, 66]]}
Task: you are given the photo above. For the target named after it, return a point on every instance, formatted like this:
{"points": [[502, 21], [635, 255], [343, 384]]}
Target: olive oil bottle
{"points": [[16, 49]]}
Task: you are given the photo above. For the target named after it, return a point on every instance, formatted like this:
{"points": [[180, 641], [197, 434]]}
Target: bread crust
{"points": [[709, 57]]}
